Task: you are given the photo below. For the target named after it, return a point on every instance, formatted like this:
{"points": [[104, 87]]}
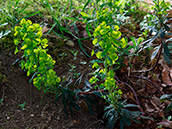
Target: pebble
{"points": [[32, 115], [70, 43], [8, 117]]}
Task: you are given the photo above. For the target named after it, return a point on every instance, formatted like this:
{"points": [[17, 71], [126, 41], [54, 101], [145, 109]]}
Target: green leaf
{"points": [[16, 50], [82, 48], [76, 106], [87, 30], [4, 24], [131, 105], [155, 52], [166, 27], [136, 120], [114, 57], [169, 107], [24, 47], [6, 32], [95, 41], [84, 15], [133, 40], [76, 30], [71, 109], [166, 58], [30, 15], [65, 104], [111, 122], [126, 112], [162, 34], [166, 49], [56, 98], [164, 97], [111, 74], [126, 120], [99, 55], [16, 41], [89, 107], [60, 27], [85, 5], [121, 123], [33, 77], [98, 93], [1, 34]]}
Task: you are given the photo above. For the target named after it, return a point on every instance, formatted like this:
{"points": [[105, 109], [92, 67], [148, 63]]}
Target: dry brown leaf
{"points": [[166, 78], [170, 13], [161, 114], [143, 92], [156, 100], [156, 107], [171, 72], [45, 29], [165, 123], [150, 88], [149, 107]]}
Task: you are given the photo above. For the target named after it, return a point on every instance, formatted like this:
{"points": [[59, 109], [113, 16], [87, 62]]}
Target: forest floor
{"points": [[40, 110]]}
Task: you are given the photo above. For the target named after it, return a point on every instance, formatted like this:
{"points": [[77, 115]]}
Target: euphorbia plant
{"points": [[109, 42], [36, 60], [157, 24], [40, 65]]}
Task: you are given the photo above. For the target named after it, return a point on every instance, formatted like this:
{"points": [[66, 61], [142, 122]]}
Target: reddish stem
{"points": [[137, 100]]}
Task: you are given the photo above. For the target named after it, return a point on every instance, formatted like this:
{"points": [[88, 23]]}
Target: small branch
{"points": [[137, 100], [13, 91], [88, 127], [92, 92], [122, 27], [50, 36], [134, 76], [143, 71]]}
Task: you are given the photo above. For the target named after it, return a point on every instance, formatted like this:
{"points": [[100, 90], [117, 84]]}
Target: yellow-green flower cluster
{"points": [[105, 15], [37, 61], [28, 29], [108, 39]]}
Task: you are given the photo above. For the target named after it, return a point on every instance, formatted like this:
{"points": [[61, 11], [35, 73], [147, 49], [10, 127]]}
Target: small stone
{"points": [[8, 117], [43, 115], [32, 115], [163, 85], [70, 124], [49, 118], [58, 118], [18, 110], [70, 43]]}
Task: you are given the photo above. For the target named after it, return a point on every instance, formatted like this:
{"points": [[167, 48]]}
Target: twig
{"points": [[143, 71], [31, 94], [87, 47], [94, 123], [50, 36], [92, 92], [137, 100], [122, 27], [13, 91], [134, 76]]}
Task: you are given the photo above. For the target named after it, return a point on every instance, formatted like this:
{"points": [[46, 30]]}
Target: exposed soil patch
{"points": [[40, 110]]}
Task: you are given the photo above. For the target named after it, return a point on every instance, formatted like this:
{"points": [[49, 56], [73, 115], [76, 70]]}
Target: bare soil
{"points": [[40, 109]]}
